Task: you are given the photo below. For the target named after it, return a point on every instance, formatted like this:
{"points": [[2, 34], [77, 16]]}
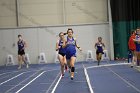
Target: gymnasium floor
{"points": [[109, 77]]}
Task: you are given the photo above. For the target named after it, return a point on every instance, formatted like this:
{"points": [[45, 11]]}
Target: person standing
{"points": [[132, 48], [137, 42], [21, 52]]}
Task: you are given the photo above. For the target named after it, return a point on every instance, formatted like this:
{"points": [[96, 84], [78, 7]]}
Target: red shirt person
{"points": [[132, 48], [131, 43]]}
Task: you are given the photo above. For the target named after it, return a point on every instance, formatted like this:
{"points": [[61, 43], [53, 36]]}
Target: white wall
{"points": [[30, 13], [7, 13], [44, 39]]}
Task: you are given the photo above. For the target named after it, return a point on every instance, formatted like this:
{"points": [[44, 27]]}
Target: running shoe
{"points": [[62, 75], [72, 77], [19, 67], [27, 66]]}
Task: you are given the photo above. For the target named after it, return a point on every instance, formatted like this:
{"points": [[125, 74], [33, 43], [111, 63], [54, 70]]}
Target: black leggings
{"points": [[62, 54]]}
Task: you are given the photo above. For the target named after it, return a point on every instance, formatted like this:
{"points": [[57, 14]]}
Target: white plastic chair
{"points": [[42, 58], [56, 57], [105, 56], [27, 59], [10, 60], [89, 56]]}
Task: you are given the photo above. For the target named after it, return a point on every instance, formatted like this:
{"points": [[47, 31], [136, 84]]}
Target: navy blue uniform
{"points": [[137, 43], [70, 48], [99, 47], [62, 51], [21, 48]]}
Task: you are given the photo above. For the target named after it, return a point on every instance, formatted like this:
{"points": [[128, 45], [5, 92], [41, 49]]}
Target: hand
{"points": [[57, 49], [63, 39], [80, 49], [22, 49], [138, 42]]}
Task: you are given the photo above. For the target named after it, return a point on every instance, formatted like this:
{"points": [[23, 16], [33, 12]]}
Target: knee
{"points": [[62, 64]]}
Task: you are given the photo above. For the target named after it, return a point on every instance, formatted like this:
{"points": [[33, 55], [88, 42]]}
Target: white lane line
{"points": [[13, 73], [88, 81], [5, 76], [22, 70], [4, 73], [11, 78], [52, 83], [56, 84], [8, 72], [16, 71], [135, 88], [21, 82], [27, 78], [108, 65], [29, 82]]}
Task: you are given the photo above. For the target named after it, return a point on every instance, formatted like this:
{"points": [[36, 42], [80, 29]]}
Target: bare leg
{"points": [[68, 63], [138, 58], [23, 59], [61, 60], [72, 61], [135, 57], [99, 57], [132, 59], [19, 61], [65, 62]]}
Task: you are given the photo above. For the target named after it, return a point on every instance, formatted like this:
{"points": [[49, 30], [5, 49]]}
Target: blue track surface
{"points": [[43, 78]]}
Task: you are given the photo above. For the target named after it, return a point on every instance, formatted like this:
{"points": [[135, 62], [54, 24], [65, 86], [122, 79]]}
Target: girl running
{"points": [[71, 51], [21, 52], [62, 52], [99, 46]]}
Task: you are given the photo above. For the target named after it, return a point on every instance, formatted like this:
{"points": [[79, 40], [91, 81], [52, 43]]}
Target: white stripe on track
{"points": [[56, 84], [108, 65], [27, 79], [29, 82], [20, 83], [88, 81], [135, 88], [11, 78], [8, 72], [53, 83]]}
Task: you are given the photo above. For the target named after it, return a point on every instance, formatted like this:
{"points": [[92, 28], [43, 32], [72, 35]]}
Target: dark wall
{"points": [[125, 17]]}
